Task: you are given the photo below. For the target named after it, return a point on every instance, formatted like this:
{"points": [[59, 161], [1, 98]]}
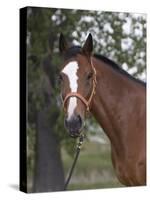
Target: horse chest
{"points": [[122, 173], [128, 171]]}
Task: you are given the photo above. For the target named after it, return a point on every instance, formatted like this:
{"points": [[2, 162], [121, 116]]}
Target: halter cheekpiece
{"points": [[87, 103]]}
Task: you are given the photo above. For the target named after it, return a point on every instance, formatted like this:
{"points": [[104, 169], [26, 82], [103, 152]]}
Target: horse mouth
{"points": [[74, 126], [75, 133]]}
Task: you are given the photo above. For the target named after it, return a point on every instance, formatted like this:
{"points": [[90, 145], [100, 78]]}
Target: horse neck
{"points": [[114, 94]]}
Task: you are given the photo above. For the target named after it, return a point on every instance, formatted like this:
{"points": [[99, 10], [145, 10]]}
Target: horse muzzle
{"points": [[74, 125]]}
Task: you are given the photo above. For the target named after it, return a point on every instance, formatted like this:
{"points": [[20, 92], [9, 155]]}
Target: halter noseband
{"points": [[79, 96]]}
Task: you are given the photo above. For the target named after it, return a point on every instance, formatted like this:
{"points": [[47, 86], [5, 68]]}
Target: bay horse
{"points": [[94, 83]]}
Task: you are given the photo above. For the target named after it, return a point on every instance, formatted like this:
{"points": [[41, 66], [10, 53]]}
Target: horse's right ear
{"points": [[63, 45], [88, 45]]}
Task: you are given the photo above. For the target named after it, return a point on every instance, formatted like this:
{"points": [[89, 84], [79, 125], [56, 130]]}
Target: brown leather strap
{"points": [[75, 94]]}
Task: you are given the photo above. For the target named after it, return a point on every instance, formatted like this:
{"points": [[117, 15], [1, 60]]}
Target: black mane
{"points": [[74, 50], [116, 67]]}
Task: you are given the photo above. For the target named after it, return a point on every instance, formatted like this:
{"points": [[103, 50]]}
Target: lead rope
{"points": [[79, 145]]}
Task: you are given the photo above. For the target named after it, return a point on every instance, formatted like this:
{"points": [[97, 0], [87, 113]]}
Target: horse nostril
{"points": [[74, 124], [79, 120]]}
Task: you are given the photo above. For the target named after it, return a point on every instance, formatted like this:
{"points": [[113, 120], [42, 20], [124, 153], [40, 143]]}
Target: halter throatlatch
{"points": [[87, 103]]}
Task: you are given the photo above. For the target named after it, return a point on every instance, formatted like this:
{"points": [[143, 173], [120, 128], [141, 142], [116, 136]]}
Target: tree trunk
{"points": [[49, 175]]}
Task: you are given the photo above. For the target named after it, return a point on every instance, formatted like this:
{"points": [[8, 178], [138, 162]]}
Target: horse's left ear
{"points": [[88, 45]]}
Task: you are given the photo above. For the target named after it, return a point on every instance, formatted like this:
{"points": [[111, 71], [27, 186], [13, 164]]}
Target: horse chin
{"points": [[75, 134]]}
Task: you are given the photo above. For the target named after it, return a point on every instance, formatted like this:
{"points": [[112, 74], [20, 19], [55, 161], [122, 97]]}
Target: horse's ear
{"points": [[88, 45], [63, 45]]}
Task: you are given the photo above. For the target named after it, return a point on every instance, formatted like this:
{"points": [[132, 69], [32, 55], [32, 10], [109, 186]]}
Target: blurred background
{"points": [[50, 151]]}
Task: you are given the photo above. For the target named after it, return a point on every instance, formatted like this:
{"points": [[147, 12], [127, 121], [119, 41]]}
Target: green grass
{"points": [[90, 159], [98, 185], [94, 168]]}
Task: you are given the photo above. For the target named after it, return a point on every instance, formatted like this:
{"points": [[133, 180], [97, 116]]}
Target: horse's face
{"points": [[76, 77]]}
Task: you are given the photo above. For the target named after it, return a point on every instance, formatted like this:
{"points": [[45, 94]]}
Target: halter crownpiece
{"points": [[79, 96]]}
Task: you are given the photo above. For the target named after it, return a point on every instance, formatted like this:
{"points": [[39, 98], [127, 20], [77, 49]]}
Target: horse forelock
{"points": [[72, 52]]}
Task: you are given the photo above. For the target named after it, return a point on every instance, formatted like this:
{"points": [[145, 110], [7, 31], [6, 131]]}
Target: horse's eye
{"points": [[89, 76]]}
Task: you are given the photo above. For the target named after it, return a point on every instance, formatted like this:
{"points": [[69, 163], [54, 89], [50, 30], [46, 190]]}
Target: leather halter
{"points": [[79, 96]]}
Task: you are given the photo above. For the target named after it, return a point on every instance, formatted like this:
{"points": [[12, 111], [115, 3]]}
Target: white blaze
{"points": [[71, 71]]}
